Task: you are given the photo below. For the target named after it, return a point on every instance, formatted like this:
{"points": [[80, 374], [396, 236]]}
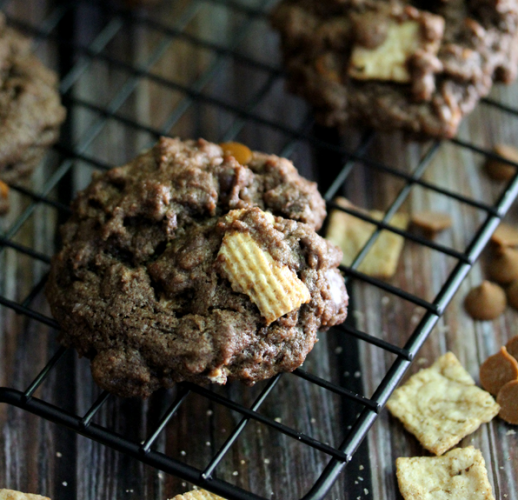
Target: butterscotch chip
{"points": [[18, 495], [499, 170], [512, 347], [512, 294], [275, 289], [4, 198], [351, 233], [497, 370], [431, 222], [508, 401], [459, 475], [505, 236], [441, 405], [486, 301], [198, 495], [503, 267], [240, 152]]}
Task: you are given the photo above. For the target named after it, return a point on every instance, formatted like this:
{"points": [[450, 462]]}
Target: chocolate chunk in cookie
{"points": [[186, 265], [416, 66]]}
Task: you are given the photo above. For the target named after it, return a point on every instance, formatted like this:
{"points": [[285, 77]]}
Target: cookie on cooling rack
{"points": [[393, 65], [187, 265], [29, 105]]}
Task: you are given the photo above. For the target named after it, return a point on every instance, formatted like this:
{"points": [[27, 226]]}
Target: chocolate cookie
{"points": [[29, 105], [417, 66], [170, 265]]}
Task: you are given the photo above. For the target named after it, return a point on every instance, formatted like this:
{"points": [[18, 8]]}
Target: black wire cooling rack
{"points": [[76, 57]]}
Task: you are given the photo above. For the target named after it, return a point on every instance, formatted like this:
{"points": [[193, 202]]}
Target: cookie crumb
{"points": [[278, 420], [510, 432]]}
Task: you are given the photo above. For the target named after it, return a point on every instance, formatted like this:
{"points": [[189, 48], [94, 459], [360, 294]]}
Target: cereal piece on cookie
{"points": [[18, 495], [198, 495], [274, 288], [459, 475], [441, 405], [405, 36], [351, 233]]}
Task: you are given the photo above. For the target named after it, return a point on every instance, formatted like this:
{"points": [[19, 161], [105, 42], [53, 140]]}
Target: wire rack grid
{"points": [[77, 57]]}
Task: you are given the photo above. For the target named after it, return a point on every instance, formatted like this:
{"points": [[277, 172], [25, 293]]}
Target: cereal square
{"points": [[18, 495], [459, 475], [351, 233], [198, 495], [441, 405]]}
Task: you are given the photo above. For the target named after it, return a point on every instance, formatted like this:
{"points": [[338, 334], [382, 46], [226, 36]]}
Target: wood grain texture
{"points": [[43, 458]]}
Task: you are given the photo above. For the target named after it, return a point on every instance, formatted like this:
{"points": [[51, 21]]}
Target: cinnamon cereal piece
{"points": [[499, 170], [459, 475], [441, 405], [497, 370], [275, 289], [508, 401], [351, 233], [505, 236], [18, 495], [198, 495]]}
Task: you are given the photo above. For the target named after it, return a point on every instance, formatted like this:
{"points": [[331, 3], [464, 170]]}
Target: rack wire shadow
{"points": [[76, 61]]}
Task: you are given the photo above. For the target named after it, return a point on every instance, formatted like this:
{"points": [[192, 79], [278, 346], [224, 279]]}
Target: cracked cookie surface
{"points": [[137, 286]]}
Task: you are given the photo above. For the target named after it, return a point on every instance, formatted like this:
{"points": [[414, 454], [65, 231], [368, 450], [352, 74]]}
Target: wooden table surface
{"points": [[40, 457]]}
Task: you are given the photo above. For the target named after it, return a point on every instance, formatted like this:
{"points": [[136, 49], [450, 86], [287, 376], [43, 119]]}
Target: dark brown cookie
{"points": [[138, 286], [393, 64], [29, 105]]}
